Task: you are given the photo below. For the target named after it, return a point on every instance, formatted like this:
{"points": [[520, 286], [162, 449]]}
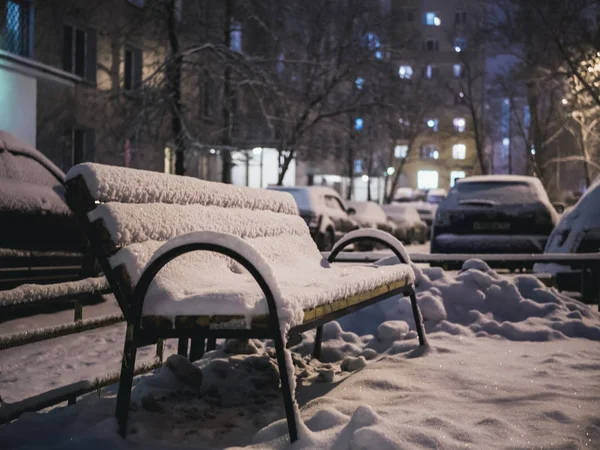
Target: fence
{"points": [[71, 293]]}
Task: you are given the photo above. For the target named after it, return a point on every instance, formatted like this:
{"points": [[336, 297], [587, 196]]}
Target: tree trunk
{"points": [[398, 172], [174, 80], [287, 159], [227, 110]]}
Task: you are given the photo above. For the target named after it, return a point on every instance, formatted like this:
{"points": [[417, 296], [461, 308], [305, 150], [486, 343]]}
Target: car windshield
{"points": [[301, 196], [495, 192]]}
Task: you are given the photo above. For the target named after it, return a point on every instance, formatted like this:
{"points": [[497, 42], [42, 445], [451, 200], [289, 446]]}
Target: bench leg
{"points": [[211, 344], [417, 314], [126, 379], [288, 401], [182, 347], [197, 349], [318, 341]]}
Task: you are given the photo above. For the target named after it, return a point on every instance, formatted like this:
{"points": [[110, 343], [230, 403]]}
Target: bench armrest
{"points": [[223, 243], [374, 235]]}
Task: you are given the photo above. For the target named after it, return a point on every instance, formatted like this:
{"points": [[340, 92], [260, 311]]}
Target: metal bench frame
{"points": [[131, 301]]}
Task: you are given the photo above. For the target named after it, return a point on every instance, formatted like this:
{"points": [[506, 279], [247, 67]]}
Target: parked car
{"points": [[578, 230], [324, 211], [40, 240], [494, 214], [371, 215], [409, 226], [403, 194], [436, 196], [426, 212]]}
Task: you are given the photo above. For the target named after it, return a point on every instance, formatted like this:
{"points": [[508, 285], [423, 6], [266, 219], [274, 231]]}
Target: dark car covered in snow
{"points": [[40, 240], [494, 214]]}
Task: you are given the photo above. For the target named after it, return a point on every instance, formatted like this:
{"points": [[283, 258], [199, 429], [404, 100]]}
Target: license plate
{"points": [[491, 226]]}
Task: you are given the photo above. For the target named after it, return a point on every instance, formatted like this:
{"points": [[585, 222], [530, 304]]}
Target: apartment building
{"points": [[433, 48]]}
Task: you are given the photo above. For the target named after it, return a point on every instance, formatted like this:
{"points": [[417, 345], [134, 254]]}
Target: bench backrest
{"points": [[133, 212]]}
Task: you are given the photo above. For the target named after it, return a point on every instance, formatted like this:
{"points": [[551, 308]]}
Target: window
{"points": [[460, 124], [405, 72], [429, 151], [19, 28], [526, 116], [371, 41], [457, 70], [431, 71], [360, 82], [460, 44], [358, 124], [358, 166], [431, 45], [427, 179], [79, 52], [132, 73], [235, 36], [400, 151], [206, 86], [432, 19], [433, 124], [333, 202], [455, 175], [80, 144], [459, 151], [460, 17]]}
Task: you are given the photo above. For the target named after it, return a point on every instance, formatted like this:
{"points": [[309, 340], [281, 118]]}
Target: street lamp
{"points": [[365, 178], [390, 171]]}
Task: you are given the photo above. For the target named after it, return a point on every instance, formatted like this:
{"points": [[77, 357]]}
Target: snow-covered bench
{"points": [[187, 258]]}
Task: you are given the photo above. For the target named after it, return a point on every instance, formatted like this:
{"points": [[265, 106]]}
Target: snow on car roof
{"points": [[15, 145], [497, 179]]}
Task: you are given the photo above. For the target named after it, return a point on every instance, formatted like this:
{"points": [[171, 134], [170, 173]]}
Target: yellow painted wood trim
{"points": [[262, 321]]}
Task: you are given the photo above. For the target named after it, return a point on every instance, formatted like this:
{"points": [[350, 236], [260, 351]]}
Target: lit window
{"points": [[433, 124], [358, 124], [432, 19], [358, 166], [506, 142], [360, 82], [455, 175], [459, 151], [427, 179], [429, 71], [457, 70], [400, 151], [526, 116], [429, 151], [460, 44], [460, 124], [235, 36], [405, 72]]}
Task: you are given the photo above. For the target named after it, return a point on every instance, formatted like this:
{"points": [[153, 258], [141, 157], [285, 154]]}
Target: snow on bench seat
{"points": [[206, 288]]}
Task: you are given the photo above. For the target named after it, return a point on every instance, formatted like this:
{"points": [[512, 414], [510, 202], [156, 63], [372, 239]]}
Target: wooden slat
{"points": [[262, 321]]}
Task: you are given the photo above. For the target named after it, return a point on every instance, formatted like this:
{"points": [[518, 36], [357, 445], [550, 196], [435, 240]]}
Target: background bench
{"points": [[187, 258]]}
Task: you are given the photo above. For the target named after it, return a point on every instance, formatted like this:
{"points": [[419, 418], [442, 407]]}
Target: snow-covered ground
{"points": [[512, 364]]}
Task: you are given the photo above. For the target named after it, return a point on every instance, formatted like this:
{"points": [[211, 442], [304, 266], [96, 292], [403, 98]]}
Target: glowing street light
{"points": [[257, 150], [390, 171], [457, 49], [564, 101], [437, 22], [365, 178]]}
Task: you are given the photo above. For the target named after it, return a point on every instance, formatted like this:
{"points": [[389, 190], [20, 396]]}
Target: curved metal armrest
{"points": [[374, 235], [223, 243]]}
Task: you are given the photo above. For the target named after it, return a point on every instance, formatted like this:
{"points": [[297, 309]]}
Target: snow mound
{"points": [[478, 301]]}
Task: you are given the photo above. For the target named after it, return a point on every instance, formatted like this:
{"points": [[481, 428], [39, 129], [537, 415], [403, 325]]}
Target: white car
{"points": [[324, 211], [409, 226], [577, 231]]}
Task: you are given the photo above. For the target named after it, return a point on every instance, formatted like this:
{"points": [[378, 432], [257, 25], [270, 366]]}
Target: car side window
{"points": [[333, 203]]}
